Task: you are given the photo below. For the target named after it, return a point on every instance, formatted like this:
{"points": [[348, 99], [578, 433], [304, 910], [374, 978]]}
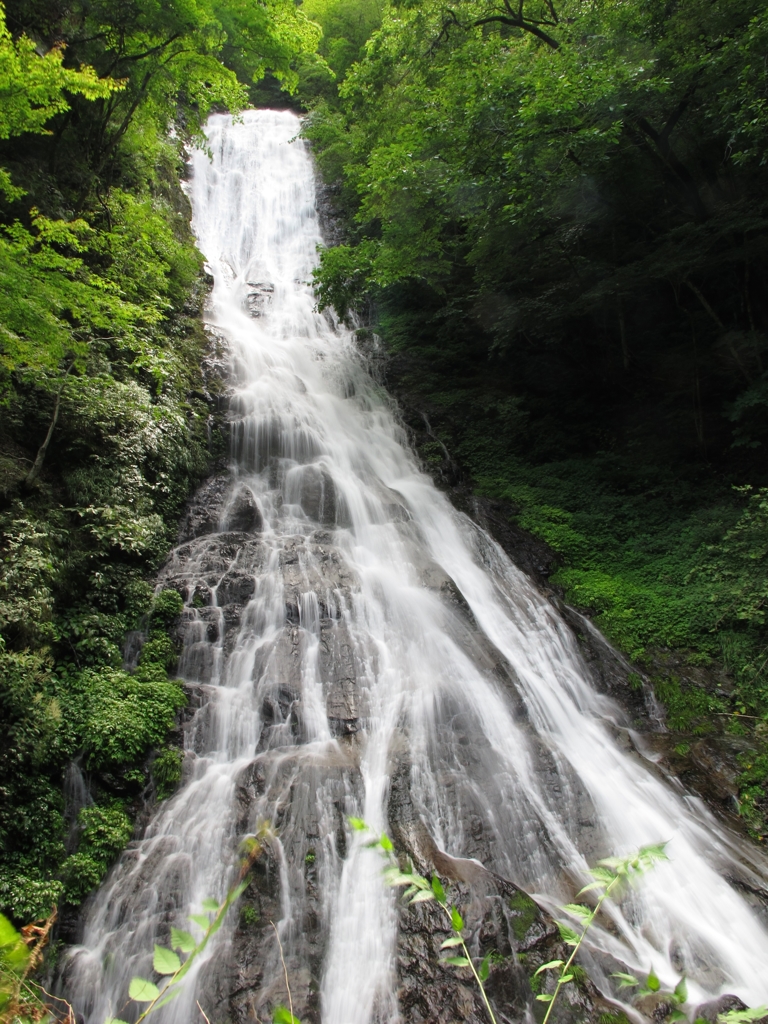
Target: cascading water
{"points": [[344, 624]]}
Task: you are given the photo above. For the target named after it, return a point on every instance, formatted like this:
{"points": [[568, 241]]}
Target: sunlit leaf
{"points": [[386, 842], [165, 961], [437, 889], [143, 991], [681, 990], [456, 920], [626, 980], [565, 978], [423, 896], [282, 1015], [549, 967], [743, 1016], [182, 940], [455, 941], [545, 998], [592, 885], [456, 961], [172, 993], [359, 826], [584, 914], [210, 905], [202, 920], [568, 935], [653, 982]]}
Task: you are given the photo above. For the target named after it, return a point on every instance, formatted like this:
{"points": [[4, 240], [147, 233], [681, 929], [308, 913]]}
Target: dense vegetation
{"points": [[556, 220], [103, 410], [555, 217]]}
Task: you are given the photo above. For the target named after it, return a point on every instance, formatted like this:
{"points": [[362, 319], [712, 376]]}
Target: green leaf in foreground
{"points": [[210, 905], [282, 1015], [176, 991], [485, 968], [456, 961], [143, 991], [182, 940], [550, 966], [165, 961], [626, 980], [456, 920], [743, 1016]]}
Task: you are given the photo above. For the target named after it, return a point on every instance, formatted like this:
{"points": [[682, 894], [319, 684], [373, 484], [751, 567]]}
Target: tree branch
{"points": [[37, 465], [526, 26]]}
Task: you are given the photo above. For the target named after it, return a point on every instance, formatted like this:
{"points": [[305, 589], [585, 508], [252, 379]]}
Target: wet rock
{"points": [[236, 587], [243, 513], [342, 707], [710, 1011], [203, 510]]}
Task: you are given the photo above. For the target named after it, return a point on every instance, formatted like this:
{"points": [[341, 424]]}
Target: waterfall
{"points": [[344, 623]]}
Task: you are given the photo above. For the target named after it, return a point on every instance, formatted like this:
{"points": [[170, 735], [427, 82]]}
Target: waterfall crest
{"points": [[344, 624]]}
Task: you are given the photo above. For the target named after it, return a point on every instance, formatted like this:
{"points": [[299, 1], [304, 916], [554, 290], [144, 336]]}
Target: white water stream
{"points": [[375, 664]]}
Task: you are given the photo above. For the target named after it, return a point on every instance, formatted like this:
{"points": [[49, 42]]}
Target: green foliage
{"points": [[166, 771], [524, 912], [610, 876], [417, 889], [249, 916], [560, 238], [104, 831], [168, 964], [104, 423], [167, 606]]}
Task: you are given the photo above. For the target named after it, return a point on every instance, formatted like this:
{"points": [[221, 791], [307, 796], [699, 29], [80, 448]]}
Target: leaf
{"points": [[182, 940], [565, 978], [456, 961], [584, 914], [549, 967], [210, 905], [602, 875], [545, 999], [743, 1016], [423, 896], [143, 991], [114, 1020], [626, 980], [172, 993], [592, 885], [394, 876], [653, 982], [237, 892], [681, 990], [455, 941], [359, 826], [165, 961], [281, 1015], [437, 889], [202, 920], [386, 843], [568, 935], [485, 968], [457, 920]]}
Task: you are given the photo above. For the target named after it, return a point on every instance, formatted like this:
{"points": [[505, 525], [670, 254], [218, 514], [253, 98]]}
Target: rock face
{"points": [[220, 503]]}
